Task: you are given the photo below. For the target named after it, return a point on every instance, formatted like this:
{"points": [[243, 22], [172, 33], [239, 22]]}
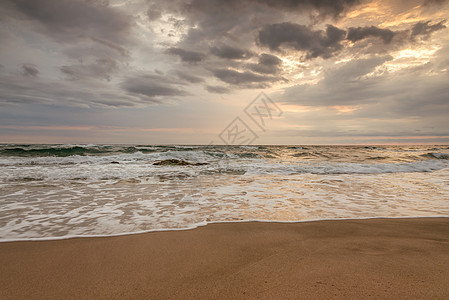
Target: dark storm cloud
{"points": [[89, 31], [434, 2], [245, 78], [122, 51], [268, 64], [375, 40], [18, 90], [135, 90], [153, 12], [90, 50], [324, 7], [217, 89], [217, 20], [426, 29], [228, 52], [186, 55], [152, 86], [269, 60], [100, 68], [359, 33], [316, 43], [188, 77], [30, 70], [325, 44], [210, 22], [70, 20]]}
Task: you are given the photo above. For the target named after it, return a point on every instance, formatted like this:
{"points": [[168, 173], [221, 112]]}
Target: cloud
{"points": [[21, 91], [135, 90], [352, 100], [391, 40], [70, 20], [187, 56], [316, 43], [325, 44], [217, 89], [100, 68], [245, 78], [354, 70], [324, 8], [228, 52], [236, 20], [123, 52], [152, 86], [268, 64], [359, 33], [153, 12], [378, 105], [341, 86], [188, 77], [90, 31], [434, 2], [30, 70], [425, 29]]}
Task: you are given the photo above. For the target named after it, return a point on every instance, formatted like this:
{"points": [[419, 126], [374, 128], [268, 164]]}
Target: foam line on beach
{"points": [[202, 224]]}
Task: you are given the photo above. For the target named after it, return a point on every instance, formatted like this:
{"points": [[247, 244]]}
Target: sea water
{"points": [[60, 191]]}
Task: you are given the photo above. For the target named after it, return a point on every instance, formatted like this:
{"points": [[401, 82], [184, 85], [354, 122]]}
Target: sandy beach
{"points": [[377, 258]]}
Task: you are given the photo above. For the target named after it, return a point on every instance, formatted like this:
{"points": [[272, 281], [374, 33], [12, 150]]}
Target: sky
{"points": [[224, 72]]}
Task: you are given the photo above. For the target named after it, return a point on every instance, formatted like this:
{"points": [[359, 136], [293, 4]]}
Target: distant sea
{"points": [[60, 191]]}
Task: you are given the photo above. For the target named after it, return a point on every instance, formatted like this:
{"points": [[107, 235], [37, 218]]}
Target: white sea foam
{"points": [[49, 197]]}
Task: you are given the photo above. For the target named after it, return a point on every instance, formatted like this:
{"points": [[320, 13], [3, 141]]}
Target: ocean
{"points": [[62, 191]]}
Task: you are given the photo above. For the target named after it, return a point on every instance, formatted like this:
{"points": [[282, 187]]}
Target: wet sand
{"points": [[378, 259]]}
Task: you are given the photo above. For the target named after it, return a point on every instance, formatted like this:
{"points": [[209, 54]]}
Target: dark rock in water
{"points": [[176, 162], [199, 164], [115, 162], [171, 162]]}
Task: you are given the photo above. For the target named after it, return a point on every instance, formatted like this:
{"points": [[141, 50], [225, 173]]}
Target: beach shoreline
{"points": [[368, 258]]}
